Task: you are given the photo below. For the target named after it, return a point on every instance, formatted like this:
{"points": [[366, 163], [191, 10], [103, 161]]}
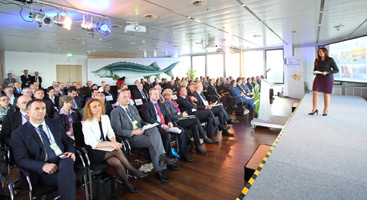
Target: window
{"points": [[253, 63], [183, 66], [233, 65], [274, 62], [215, 65], [198, 64]]}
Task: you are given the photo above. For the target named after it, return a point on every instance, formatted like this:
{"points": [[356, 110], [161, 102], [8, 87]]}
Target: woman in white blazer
{"points": [[98, 134]]}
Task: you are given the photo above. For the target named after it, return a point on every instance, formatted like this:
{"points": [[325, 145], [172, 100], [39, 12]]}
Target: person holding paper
{"points": [[98, 134], [323, 81], [42, 147], [154, 111], [127, 123]]}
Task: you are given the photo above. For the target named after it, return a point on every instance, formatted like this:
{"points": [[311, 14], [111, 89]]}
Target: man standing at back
{"points": [[38, 79], [26, 79], [42, 147], [9, 80]]}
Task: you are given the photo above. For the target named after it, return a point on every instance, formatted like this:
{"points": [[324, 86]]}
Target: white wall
{"points": [[308, 55], [44, 63]]}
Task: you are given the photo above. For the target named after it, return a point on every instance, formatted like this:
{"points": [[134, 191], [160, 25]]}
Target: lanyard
{"points": [[45, 136], [130, 115], [171, 104], [24, 117], [71, 117]]}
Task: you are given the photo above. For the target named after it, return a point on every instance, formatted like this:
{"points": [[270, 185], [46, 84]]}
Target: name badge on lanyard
{"points": [[53, 144]]}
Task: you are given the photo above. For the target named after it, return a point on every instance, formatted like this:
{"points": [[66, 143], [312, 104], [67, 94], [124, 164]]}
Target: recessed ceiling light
{"points": [[319, 25], [143, 41], [89, 51], [150, 16], [100, 38], [243, 5], [199, 3], [132, 43], [59, 49], [83, 42], [94, 50]]}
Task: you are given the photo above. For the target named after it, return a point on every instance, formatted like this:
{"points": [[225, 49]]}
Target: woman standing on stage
{"points": [[324, 69]]}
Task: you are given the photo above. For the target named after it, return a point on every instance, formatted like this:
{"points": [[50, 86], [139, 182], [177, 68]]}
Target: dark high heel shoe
{"points": [[324, 114], [140, 175], [315, 112]]}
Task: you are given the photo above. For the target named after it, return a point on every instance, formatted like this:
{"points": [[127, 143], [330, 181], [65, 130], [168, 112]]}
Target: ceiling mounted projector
{"points": [[135, 28]]}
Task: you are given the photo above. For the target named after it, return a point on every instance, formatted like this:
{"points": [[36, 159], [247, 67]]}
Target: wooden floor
{"points": [[219, 174]]}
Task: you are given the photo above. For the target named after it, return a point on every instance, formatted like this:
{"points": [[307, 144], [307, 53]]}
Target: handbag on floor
{"points": [[104, 186]]}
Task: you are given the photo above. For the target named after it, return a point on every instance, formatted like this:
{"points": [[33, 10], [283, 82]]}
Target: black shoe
{"points": [[231, 121], [314, 112], [210, 141], [163, 178], [186, 158], [223, 128], [227, 133], [164, 160], [173, 167], [200, 150]]}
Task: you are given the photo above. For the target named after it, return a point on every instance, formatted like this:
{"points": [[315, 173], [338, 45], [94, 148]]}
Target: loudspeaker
{"points": [[255, 160]]}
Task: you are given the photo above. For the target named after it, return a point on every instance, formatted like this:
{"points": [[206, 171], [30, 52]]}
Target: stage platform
{"points": [[316, 157]]}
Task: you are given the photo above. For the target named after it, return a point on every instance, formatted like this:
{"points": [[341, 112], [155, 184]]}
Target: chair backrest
{"points": [[78, 134]]}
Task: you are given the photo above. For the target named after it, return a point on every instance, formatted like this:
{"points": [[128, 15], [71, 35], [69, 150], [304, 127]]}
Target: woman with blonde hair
{"points": [[98, 134]]}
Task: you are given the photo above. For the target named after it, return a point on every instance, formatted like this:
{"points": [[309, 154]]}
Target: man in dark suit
{"points": [[126, 122], [17, 88], [107, 105], [248, 84], [51, 112], [186, 104], [154, 111], [38, 79], [14, 120], [202, 104], [140, 93], [148, 85], [77, 100], [26, 79], [42, 147]]}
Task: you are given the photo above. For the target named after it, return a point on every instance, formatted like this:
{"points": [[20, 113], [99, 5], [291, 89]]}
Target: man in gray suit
{"points": [[127, 123], [9, 80]]}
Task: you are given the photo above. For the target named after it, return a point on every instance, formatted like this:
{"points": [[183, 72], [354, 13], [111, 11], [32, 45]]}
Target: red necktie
{"points": [[160, 114], [27, 116]]}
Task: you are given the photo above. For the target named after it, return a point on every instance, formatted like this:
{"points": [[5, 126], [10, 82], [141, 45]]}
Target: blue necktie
{"points": [[202, 95], [142, 93], [46, 143]]}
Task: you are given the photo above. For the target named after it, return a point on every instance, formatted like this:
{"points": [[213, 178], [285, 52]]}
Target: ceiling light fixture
{"points": [[88, 25], [41, 18], [64, 21]]}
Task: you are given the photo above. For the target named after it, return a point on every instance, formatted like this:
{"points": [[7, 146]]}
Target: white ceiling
{"points": [[173, 33]]}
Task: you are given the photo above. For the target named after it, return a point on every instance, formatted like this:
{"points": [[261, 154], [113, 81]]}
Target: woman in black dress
{"points": [[324, 81]]}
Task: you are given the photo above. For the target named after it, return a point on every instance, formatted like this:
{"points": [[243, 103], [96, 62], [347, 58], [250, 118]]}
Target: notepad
{"points": [[149, 126]]}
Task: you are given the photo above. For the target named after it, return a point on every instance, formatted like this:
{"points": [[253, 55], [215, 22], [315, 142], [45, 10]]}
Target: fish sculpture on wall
{"points": [[132, 70]]}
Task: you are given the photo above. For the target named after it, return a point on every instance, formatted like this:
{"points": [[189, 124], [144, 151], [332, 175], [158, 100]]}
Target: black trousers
{"points": [[192, 125], [212, 122], [63, 179], [221, 114], [166, 139]]}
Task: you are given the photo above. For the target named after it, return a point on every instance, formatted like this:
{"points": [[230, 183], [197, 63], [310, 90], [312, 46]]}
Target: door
{"points": [[69, 73]]}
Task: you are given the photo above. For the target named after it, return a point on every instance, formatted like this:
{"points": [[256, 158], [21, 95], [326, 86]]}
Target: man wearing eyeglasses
{"points": [[5, 107]]}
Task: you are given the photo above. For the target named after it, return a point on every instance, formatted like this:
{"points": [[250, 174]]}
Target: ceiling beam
{"points": [[322, 5]]}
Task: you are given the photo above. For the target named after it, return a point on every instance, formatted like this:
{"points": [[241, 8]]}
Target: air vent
{"points": [[150, 16], [199, 3]]}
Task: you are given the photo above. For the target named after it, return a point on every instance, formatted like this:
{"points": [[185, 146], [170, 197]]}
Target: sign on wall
{"points": [[112, 69], [294, 79]]}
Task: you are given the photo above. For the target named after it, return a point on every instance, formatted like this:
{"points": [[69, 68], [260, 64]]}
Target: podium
{"points": [[265, 116]]}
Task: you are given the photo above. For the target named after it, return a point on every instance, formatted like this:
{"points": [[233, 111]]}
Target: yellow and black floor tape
{"points": [[261, 165]]}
